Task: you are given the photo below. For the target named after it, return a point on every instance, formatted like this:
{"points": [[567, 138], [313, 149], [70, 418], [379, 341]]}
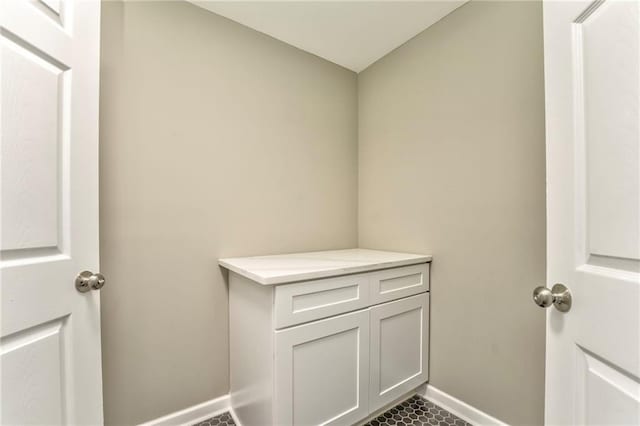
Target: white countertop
{"points": [[286, 268]]}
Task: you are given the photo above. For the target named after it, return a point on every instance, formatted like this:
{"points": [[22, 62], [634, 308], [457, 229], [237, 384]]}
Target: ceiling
{"points": [[353, 34]]}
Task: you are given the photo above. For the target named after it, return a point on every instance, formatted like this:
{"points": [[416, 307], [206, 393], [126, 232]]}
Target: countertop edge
{"points": [[288, 279]]}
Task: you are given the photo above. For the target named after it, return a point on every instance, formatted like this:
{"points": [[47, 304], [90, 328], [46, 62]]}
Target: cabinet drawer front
{"points": [[399, 348], [391, 284], [322, 371], [312, 300]]}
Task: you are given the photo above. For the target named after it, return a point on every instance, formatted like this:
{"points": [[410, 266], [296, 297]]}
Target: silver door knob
{"points": [[87, 280], [559, 296]]}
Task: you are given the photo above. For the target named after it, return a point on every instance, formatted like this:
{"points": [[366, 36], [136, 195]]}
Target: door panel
{"points": [[33, 364], [322, 371], [606, 48], [592, 71], [50, 333], [31, 210], [600, 384], [399, 348]]}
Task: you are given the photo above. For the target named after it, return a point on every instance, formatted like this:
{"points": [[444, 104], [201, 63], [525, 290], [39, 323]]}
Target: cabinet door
{"points": [[322, 371], [399, 348]]}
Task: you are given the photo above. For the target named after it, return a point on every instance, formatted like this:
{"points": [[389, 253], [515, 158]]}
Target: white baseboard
{"points": [[194, 414], [459, 408], [234, 417], [208, 409]]}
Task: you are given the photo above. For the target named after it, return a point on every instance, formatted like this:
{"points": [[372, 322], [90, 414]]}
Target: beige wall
{"points": [[452, 163], [215, 141], [219, 141]]}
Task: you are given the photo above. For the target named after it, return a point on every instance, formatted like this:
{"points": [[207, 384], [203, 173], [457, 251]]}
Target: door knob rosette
{"points": [[559, 296], [87, 280]]}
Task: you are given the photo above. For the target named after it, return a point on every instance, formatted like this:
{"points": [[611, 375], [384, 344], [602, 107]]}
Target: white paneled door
{"points": [[50, 365], [592, 75]]}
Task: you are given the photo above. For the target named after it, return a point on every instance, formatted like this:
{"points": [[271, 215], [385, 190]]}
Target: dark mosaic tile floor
{"points": [[415, 411], [223, 419]]}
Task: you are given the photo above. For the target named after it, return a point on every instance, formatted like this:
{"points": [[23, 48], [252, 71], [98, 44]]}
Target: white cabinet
{"points": [[399, 348], [326, 362], [327, 349]]}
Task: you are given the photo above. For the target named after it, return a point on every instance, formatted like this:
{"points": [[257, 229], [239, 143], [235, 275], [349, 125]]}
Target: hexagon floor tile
{"points": [[223, 419], [415, 411]]}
